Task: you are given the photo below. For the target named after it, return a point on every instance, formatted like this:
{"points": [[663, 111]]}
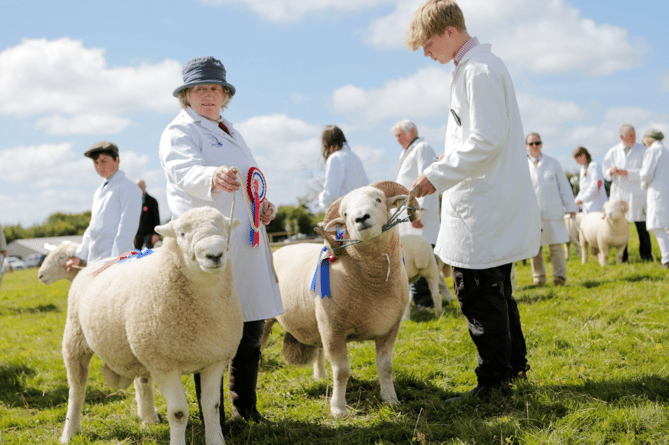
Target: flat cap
{"points": [[654, 134], [102, 147]]}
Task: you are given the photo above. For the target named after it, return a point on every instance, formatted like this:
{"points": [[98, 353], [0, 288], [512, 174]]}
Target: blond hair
{"points": [[183, 97], [431, 19]]}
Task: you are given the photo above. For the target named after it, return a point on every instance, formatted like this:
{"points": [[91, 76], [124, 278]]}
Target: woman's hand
{"points": [[225, 179], [267, 212]]}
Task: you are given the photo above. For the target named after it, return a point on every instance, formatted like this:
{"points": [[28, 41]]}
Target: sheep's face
{"points": [[201, 235], [614, 209], [364, 212], [53, 266]]}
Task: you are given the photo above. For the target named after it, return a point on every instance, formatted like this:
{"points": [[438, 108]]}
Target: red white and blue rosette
{"points": [[256, 189]]}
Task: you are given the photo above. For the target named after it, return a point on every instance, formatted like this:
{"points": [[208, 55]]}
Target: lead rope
{"points": [[392, 222]]}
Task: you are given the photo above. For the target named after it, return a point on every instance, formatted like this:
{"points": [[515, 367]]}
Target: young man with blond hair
{"points": [[490, 217]]}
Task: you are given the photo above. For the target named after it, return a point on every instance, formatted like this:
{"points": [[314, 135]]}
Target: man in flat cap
{"points": [[117, 206]]}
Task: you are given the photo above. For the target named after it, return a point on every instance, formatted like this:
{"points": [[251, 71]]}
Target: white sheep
{"points": [[572, 230], [52, 270], [53, 266], [369, 290], [172, 312], [604, 230], [420, 261]]}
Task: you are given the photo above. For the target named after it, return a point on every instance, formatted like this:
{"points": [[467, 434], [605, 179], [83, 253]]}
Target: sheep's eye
{"points": [[345, 214], [182, 234], [378, 200]]}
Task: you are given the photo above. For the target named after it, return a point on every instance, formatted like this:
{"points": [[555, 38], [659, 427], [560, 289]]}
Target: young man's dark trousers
{"points": [[493, 321]]}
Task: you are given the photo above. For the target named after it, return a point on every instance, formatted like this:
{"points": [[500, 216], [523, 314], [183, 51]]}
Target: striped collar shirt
{"points": [[471, 43]]}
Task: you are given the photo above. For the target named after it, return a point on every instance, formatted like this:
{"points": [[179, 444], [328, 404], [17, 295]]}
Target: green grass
{"points": [[598, 347]]}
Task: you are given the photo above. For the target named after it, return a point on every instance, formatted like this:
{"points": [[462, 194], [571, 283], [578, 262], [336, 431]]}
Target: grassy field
{"points": [[598, 347]]}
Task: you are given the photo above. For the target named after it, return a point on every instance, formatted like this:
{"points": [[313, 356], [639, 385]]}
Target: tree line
{"points": [[291, 219]]}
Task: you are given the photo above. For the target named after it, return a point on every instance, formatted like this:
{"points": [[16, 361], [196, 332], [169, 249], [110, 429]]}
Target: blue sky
{"points": [[75, 73]]}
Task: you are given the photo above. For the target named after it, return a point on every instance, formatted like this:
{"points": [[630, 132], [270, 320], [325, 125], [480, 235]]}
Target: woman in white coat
{"points": [[591, 191], [343, 168], [555, 198], [654, 176], [198, 151]]}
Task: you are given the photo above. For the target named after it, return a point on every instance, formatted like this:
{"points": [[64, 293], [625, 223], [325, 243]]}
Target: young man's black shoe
{"points": [[483, 393]]}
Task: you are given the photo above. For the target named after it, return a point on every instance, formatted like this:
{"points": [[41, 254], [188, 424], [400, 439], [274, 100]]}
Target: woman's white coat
{"points": [[191, 148], [591, 189]]}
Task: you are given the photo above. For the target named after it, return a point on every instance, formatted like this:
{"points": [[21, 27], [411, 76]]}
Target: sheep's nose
{"points": [[363, 218], [214, 258]]}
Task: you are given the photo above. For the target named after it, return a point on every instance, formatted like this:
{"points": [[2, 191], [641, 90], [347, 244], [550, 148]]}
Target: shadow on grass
{"points": [[651, 387], [15, 392], [637, 278], [448, 309], [39, 309], [536, 295], [421, 417]]}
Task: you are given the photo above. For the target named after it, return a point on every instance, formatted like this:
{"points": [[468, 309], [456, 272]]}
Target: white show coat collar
{"points": [[212, 125], [533, 159], [405, 153]]}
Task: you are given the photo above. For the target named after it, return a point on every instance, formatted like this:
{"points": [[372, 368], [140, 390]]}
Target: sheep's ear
{"points": [[395, 200], [332, 224], [71, 249], [166, 230], [234, 224], [626, 206]]}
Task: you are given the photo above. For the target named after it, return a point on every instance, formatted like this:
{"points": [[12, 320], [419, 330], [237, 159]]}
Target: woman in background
{"points": [[592, 193], [343, 168]]}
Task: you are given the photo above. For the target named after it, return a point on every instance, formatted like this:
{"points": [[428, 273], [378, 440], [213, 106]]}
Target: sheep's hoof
{"points": [[339, 413], [152, 420]]}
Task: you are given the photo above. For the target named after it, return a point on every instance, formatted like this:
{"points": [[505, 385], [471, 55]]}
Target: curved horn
{"points": [[392, 188], [332, 212]]}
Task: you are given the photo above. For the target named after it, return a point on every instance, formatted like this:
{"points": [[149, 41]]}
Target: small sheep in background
{"points": [[173, 312], [572, 229], [603, 230], [420, 261], [369, 290]]}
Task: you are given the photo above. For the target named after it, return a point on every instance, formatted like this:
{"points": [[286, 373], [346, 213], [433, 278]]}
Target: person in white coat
{"points": [[621, 166], [591, 188], [489, 214], [343, 168], [198, 151], [555, 198], [3, 252], [117, 206], [416, 156], [654, 175]]}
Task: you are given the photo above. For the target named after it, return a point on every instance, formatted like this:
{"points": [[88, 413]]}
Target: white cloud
{"points": [[52, 178], [541, 113], [542, 45], [544, 37], [287, 151], [45, 165], [389, 31], [62, 76], [422, 94], [295, 10], [83, 124], [664, 81]]}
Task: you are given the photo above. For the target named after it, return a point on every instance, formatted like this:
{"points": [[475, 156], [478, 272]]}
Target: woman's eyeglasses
{"points": [[534, 143]]}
